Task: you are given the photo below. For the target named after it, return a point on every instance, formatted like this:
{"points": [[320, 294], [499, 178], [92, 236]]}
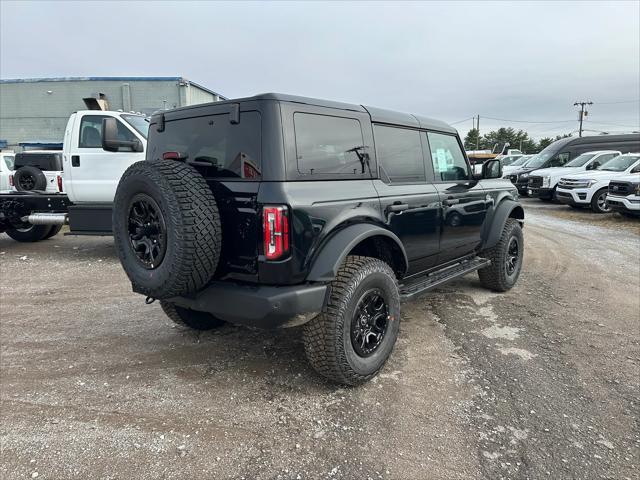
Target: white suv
{"points": [[624, 195], [543, 182], [6, 169], [590, 188]]}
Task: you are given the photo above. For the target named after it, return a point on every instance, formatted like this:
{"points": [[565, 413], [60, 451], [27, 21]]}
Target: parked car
{"points": [[516, 164], [277, 211], [590, 188], [79, 182], [562, 151], [543, 182], [509, 159], [7, 158], [623, 195]]}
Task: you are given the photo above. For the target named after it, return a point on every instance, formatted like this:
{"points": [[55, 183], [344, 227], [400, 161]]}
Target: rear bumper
{"points": [[258, 306]]}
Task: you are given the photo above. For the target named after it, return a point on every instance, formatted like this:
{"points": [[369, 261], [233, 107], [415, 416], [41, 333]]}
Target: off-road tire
{"points": [[55, 229], [594, 201], [327, 337], [29, 178], [190, 318], [191, 219], [32, 233], [495, 276]]}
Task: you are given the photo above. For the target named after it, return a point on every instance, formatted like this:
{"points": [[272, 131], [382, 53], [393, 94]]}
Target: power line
{"points": [[460, 121], [614, 124], [528, 121], [616, 103]]}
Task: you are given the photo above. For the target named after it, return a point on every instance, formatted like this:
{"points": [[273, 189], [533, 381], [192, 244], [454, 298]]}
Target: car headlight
{"points": [[591, 183], [524, 175], [546, 181]]}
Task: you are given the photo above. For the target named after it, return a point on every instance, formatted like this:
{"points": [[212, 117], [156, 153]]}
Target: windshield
{"points": [[540, 159], [520, 161], [619, 164], [9, 160], [580, 160], [141, 124]]}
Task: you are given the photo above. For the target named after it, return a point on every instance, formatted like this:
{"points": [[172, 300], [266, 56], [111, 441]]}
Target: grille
{"points": [[535, 182], [619, 188], [569, 184]]}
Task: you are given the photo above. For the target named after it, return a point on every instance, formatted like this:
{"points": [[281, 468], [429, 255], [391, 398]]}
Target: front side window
{"points": [[329, 145], [399, 154], [448, 160], [91, 132], [226, 149]]}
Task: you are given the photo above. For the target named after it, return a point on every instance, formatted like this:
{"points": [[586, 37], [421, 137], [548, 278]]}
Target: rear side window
{"points": [[329, 145], [448, 160], [399, 154], [229, 150]]}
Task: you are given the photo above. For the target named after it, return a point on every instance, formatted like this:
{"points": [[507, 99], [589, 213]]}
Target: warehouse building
{"points": [[35, 111]]}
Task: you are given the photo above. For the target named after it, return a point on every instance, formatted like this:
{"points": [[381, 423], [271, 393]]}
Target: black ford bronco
{"points": [[278, 211]]}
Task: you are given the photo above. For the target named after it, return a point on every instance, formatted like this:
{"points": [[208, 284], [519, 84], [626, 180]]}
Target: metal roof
{"points": [[110, 79]]}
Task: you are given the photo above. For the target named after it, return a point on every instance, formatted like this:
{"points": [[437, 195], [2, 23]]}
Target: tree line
{"points": [[516, 138]]}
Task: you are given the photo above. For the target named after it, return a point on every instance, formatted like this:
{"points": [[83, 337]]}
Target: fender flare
{"points": [[505, 209], [327, 262]]}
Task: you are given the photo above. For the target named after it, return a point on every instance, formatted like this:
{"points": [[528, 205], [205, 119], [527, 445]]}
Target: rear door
{"points": [[410, 203], [464, 203], [91, 173]]}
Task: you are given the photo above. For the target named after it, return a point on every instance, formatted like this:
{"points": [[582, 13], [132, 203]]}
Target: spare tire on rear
{"points": [[29, 178], [166, 227]]}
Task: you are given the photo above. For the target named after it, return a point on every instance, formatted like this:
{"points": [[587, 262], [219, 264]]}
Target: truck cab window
{"points": [[91, 132], [448, 160]]}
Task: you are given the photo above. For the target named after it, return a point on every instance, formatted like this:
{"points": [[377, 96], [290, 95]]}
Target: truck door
{"points": [[409, 202], [91, 173], [464, 203]]}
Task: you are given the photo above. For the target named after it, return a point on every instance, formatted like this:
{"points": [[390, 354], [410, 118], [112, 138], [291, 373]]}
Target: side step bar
{"points": [[427, 282]]}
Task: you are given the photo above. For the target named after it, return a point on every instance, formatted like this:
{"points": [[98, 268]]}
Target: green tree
{"points": [[470, 141], [546, 141], [516, 139]]}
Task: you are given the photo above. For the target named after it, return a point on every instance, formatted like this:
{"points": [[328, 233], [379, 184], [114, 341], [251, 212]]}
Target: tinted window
{"points": [[559, 160], [447, 157], [229, 150], [327, 144], [91, 132], [399, 154]]}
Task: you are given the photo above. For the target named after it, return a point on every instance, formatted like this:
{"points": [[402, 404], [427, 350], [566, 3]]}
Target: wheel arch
{"points": [[507, 208], [361, 239]]}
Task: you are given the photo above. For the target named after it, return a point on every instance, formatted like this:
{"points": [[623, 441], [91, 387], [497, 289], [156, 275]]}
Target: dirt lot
{"points": [[541, 382]]}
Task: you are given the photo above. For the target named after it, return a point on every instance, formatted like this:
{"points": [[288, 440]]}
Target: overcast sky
{"points": [[507, 60]]}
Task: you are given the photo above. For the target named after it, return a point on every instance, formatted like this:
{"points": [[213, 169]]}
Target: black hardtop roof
{"points": [[378, 115]]}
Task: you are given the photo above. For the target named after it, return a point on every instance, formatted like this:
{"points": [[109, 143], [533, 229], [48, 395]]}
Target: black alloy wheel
{"points": [[147, 231], [27, 182], [369, 323], [513, 255]]}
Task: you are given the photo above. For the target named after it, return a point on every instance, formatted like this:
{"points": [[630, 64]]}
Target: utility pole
{"points": [[582, 113], [478, 134]]}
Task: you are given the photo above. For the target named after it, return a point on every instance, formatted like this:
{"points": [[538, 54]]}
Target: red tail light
{"points": [[11, 180], [59, 183], [276, 231]]}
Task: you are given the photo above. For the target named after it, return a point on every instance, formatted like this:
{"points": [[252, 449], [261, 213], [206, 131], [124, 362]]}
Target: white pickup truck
{"points": [[92, 168], [624, 195]]}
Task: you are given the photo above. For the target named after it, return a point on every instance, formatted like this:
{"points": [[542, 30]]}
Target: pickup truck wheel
{"points": [[29, 233], [29, 178], [166, 228], [599, 201], [354, 335], [506, 259], [190, 318]]}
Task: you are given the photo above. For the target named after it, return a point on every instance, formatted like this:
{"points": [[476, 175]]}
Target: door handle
{"points": [[398, 207], [450, 201], [75, 160]]}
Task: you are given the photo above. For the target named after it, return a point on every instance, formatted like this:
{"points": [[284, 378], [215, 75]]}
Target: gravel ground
{"points": [[540, 382]]}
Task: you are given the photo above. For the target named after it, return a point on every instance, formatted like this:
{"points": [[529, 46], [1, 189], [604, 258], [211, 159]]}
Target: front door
{"points": [[464, 203], [409, 204], [91, 173]]}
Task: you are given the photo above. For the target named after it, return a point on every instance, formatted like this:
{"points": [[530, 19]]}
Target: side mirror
{"points": [[492, 169], [110, 140]]}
